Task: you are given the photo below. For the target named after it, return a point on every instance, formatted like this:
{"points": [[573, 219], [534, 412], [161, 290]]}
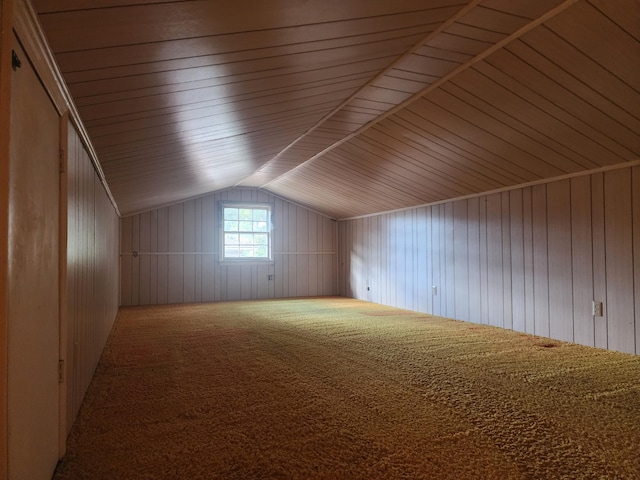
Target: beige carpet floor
{"points": [[335, 388]]}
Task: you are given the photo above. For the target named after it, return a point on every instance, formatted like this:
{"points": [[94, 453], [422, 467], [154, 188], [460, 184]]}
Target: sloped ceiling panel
{"points": [[350, 107], [554, 101], [184, 98]]}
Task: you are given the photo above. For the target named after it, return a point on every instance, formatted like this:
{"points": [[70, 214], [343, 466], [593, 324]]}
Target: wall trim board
{"points": [[544, 181], [265, 262], [34, 42], [6, 36]]}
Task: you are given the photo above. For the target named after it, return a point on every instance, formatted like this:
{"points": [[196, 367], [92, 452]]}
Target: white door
{"points": [[33, 324]]}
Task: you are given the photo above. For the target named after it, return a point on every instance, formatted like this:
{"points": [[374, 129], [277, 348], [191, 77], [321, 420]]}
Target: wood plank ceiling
{"points": [[348, 106]]}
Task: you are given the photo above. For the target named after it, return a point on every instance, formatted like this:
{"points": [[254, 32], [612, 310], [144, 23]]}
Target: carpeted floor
{"points": [[340, 389]]}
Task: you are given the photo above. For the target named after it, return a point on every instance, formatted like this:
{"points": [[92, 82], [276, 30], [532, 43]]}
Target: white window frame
{"points": [[269, 231]]}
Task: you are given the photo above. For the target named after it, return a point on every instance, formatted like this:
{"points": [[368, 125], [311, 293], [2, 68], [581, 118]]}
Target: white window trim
{"points": [[249, 260]]}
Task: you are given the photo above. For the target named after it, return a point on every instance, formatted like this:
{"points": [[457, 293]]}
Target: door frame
{"points": [[6, 36]]}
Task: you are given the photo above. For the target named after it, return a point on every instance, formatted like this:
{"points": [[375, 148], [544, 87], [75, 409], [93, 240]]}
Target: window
{"points": [[246, 231]]}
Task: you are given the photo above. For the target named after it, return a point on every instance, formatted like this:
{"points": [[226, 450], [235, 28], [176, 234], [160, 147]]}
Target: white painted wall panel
{"points": [[92, 272], [540, 260], [619, 260], [531, 259], [559, 250], [517, 260], [582, 260], [599, 258]]}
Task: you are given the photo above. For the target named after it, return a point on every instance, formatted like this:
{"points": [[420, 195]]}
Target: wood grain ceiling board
{"points": [[177, 74], [350, 107], [554, 101], [468, 32]]}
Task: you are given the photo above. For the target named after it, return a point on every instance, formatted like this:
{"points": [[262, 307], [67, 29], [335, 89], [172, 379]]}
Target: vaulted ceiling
{"points": [[348, 106]]}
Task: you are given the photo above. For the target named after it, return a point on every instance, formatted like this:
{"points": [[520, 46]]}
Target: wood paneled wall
{"points": [[92, 272], [530, 259], [177, 254]]}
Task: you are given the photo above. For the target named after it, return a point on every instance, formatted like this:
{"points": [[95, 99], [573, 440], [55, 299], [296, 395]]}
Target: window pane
{"points": [[260, 215], [260, 239], [231, 251], [246, 214], [246, 238], [246, 252], [230, 213], [230, 226], [246, 226], [231, 238], [261, 251], [259, 226]]}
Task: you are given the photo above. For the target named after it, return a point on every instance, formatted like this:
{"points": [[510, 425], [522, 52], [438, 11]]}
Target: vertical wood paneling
{"points": [[198, 260], [374, 267], [582, 260], [145, 260], [163, 229], [429, 265], [517, 260], [461, 260], [189, 245], [314, 259], [181, 245], [408, 260], [449, 260], [329, 245], [599, 258], [507, 309], [442, 288], [484, 269], [495, 286], [527, 234], [282, 261], [153, 259], [437, 258], [125, 260], [292, 260], [636, 249], [531, 259], [302, 246], [135, 261], [540, 260], [422, 268], [394, 237], [93, 238], [360, 278], [473, 246], [619, 258], [209, 286], [176, 233], [559, 252]]}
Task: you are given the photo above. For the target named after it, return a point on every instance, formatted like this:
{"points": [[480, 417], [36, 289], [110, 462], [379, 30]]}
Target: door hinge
{"points": [[60, 371]]}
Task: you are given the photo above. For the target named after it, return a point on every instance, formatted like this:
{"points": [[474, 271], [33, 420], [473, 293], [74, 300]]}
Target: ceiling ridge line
{"points": [[450, 21], [481, 56]]}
